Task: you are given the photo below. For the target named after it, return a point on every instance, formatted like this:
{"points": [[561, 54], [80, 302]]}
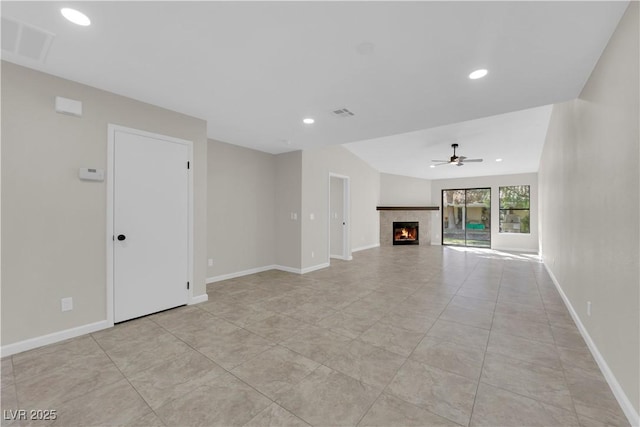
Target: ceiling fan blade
{"points": [[440, 164], [472, 160], [441, 161]]}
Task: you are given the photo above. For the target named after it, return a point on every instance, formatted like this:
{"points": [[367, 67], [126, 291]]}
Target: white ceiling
{"points": [[516, 138], [253, 70]]}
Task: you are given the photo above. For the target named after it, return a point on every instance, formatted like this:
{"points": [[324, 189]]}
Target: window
{"points": [[514, 209], [466, 217]]}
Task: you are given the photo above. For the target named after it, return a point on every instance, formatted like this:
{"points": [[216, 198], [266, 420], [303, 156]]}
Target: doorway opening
{"points": [[338, 218], [466, 217]]}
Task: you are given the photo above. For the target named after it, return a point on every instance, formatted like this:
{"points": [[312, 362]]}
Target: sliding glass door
{"points": [[466, 217]]}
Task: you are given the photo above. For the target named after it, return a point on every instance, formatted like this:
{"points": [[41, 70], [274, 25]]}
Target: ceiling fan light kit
{"points": [[455, 159]]}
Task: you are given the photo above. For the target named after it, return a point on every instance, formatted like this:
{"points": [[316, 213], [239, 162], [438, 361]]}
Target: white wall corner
{"points": [[314, 268], [288, 269], [622, 398], [31, 343], [198, 299]]}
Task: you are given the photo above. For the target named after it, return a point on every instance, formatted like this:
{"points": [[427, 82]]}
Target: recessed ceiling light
{"points": [[75, 16], [478, 74], [432, 166], [498, 160], [308, 121]]}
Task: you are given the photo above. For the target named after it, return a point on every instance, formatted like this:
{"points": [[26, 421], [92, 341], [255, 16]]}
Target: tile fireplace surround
{"points": [[398, 214]]}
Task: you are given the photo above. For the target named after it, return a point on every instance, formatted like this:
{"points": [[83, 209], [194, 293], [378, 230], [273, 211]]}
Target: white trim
{"points": [[31, 343], [241, 273], [267, 268], [198, 299], [287, 269], [618, 392], [314, 268], [111, 133], [364, 248], [529, 250]]}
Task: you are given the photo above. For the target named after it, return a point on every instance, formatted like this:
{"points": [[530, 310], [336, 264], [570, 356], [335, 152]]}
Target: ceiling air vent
{"points": [[25, 41], [342, 112]]}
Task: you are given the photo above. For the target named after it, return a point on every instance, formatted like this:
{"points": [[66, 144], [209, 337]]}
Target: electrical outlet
{"points": [[588, 308], [313, 254], [210, 262], [66, 304], [312, 216]]}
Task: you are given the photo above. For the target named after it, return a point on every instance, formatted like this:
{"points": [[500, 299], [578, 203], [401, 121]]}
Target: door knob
{"points": [[121, 237]]}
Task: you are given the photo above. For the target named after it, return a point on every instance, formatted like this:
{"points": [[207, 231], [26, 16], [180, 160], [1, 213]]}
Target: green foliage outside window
{"points": [[515, 202]]}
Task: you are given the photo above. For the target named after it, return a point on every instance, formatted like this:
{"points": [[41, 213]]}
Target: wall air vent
{"points": [[25, 41], [342, 112]]}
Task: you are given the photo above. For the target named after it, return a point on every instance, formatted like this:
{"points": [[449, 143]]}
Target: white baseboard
{"points": [[31, 343], [241, 273], [287, 269], [364, 248], [528, 251], [267, 268], [314, 268], [622, 398], [198, 299], [344, 258]]}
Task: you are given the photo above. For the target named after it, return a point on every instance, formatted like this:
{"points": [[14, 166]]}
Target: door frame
{"points": [[111, 135], [465, 207], [346, 214]]}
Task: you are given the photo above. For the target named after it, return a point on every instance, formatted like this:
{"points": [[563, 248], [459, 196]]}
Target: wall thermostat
{"points": [[88, 174]]}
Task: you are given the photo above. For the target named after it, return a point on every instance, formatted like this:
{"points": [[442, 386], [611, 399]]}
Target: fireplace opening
{"points": [[405, 233]]}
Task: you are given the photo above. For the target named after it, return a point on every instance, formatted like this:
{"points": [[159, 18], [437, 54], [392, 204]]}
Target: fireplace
{"points": [[405, 233]]}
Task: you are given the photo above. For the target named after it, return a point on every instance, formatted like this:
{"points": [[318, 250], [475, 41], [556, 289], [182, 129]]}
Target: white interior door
{"points": [[150, 224]]}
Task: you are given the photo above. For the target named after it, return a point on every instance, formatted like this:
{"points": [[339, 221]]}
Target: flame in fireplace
{"points": [[405, 233]]}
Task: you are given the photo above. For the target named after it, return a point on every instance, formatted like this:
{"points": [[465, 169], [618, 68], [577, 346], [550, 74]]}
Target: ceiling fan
{"points": [[455, 160]]}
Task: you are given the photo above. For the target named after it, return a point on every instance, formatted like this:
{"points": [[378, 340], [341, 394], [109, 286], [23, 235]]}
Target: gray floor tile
{"points": [[457, 332], [535, 381], [274, 369], [172, 379], [366, 363], [475, 318], [392, 338], [275, 415], [317, 343], [450, 356], [390, 411], [536, 352], [445, 394], [328, 398], [497, 407], [227, 402], [331, 366], [112, 405]]}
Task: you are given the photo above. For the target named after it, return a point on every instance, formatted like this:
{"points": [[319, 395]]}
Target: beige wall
{"points": [[501, 241], [397, 190], [589, 199], [53, 224], [317, 164], [241, 196], [288, 202]]}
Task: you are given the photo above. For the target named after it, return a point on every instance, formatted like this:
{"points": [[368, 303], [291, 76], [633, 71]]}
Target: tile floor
{"points": [[401, 336]]}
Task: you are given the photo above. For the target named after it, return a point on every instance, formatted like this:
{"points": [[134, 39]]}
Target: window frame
{"points": [[501, 209]]}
